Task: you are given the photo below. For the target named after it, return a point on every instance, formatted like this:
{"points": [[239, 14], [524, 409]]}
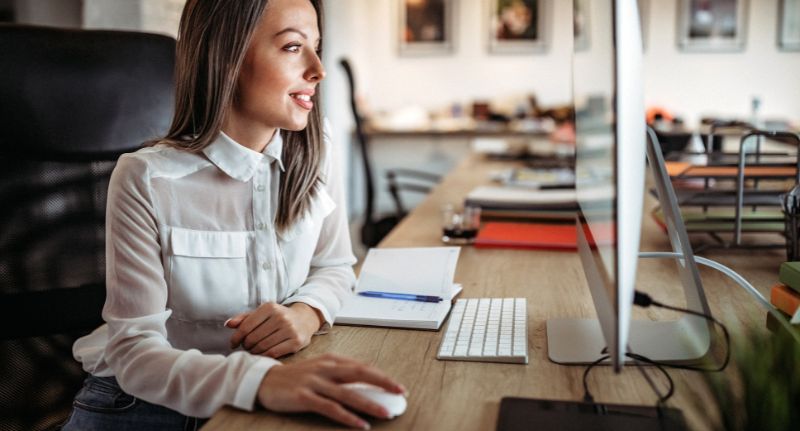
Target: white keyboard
{"points": [[487, 330]]}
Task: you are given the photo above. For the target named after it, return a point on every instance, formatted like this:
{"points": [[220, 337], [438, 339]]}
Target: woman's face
{"points": [[281, 67]]}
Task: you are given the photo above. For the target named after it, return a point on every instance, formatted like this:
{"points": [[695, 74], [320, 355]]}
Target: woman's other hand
{"points": [[275, 330], [315, 385]]}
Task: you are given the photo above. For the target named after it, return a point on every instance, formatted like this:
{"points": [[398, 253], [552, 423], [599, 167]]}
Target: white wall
{"points": [[60, 13], [112, 14], [161, 16], [155, 16], [345, 21], [470, 72], [689, 83], [694, 84]]}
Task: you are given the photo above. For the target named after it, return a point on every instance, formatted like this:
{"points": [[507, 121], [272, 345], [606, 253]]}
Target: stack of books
{"points": [[785, 295]]}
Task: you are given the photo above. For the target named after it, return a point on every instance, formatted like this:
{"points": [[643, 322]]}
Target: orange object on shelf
{"points": [[731, 171], [784, 298], [676, 168], [653, 111], [687, 170]]}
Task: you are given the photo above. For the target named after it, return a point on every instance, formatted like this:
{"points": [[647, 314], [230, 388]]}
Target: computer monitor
{"points": [[610, 177]]}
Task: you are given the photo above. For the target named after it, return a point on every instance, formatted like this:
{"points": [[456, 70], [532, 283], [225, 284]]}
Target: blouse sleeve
{"points": [[144, 363], [331, 277]]}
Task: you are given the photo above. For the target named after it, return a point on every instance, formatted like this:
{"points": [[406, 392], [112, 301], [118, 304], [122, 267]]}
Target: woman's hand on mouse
{"points": [[314, 385], [275, 330]]}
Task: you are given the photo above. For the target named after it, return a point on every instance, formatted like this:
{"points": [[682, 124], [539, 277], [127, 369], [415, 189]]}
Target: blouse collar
{"points": [[240, 162]]}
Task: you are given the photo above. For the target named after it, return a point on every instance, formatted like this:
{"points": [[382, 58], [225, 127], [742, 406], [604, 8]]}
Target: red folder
{"points": [[530, 235]]}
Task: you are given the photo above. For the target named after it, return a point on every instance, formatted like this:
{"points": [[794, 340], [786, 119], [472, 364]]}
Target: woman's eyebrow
{"points": [[293, 30]]}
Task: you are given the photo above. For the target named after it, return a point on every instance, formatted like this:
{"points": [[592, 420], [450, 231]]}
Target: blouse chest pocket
{"points": [[208, 278]]}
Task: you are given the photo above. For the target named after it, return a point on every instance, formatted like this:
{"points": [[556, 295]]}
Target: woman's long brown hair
{"points": [[212, 41]]}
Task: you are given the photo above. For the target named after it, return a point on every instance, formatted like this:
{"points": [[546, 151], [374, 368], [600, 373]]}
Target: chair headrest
{"points": [[73, 92]]}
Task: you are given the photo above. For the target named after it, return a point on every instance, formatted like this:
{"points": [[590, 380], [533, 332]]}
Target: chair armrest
{"points": [[393, 173]]}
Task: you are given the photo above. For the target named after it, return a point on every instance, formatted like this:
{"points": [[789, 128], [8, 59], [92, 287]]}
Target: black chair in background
{"points": [[376, 227], [71, 101], [401, 180]]}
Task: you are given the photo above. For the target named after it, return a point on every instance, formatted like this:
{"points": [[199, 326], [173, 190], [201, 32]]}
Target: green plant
{"points": [[761, 388]]}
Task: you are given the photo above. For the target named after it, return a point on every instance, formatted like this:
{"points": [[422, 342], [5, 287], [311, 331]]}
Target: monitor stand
{"points": [[580, 341], [687, 340]]}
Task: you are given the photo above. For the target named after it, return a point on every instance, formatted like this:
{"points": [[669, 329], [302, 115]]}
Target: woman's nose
{"points": [[315, 72]]}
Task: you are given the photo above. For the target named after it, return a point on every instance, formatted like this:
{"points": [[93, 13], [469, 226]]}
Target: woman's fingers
{"points": [[235, 321], [266, 329], [246, 326], [283, 348], [351, 398], [333, 410], [348, 371], [251, 321], [272, 340]]}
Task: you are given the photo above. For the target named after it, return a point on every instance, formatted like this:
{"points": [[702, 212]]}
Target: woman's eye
{"points": [[294, 47]]}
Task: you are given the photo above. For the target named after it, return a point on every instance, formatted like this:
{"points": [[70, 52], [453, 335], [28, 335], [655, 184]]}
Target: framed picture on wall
{"points": [[789, 25], [517, 26], [580, 24], [712, 25], [426, 27]]}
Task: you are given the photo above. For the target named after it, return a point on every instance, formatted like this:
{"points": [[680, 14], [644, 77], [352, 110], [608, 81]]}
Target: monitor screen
{"points": [[595, 164]]}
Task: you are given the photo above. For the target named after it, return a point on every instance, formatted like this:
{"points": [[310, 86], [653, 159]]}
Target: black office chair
{"points": [[375, 227], [71, 101]]}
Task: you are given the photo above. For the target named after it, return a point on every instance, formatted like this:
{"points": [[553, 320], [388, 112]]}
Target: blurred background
{"points": [[436, 79]]}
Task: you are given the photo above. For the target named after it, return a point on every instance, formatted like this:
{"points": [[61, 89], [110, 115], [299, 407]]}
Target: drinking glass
{"points": [[460, 227]]}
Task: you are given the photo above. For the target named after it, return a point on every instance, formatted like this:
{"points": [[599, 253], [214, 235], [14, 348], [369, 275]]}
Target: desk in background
{"points": [[436, 151], [451, 395]]}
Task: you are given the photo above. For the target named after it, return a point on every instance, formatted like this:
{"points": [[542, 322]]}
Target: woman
{"points": [[229, 233]]}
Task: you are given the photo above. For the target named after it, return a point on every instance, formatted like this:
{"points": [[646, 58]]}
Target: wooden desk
{"points": [[449, 395]]}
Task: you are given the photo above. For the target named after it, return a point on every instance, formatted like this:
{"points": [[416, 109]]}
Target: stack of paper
{"points": [[520, 198], [425, 271]]}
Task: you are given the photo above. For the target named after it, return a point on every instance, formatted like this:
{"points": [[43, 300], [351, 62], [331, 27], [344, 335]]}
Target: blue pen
{"points": [[404, 296]]}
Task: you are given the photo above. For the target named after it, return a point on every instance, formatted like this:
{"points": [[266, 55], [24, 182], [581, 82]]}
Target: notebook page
{"points": [[419, 271]]}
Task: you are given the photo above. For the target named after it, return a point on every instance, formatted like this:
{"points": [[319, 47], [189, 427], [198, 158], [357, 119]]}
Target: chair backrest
{"points": [[363, 144], [71, 101], [374, 228]]}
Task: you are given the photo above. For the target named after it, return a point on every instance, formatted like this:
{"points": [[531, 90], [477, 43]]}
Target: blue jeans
{"points": [[102, 405]]}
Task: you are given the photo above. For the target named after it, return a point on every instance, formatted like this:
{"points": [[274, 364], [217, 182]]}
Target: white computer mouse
{"points": [[395, 404]]}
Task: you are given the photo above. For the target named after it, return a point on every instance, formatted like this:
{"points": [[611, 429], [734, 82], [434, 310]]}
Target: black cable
{"points": [[644, 300], [587, 396], [662, 399]]}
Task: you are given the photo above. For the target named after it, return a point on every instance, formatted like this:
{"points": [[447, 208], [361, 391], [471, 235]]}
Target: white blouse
{"points": [[190, 242]]}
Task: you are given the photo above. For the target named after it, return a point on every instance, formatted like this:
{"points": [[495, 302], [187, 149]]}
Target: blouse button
{"points": [[266, 265], [260, 188], [261, 226]]}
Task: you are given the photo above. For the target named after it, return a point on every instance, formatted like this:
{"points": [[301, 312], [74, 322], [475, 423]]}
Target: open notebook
{"points": [[420, 271]]}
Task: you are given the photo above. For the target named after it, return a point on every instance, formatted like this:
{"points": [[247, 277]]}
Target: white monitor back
{"points": [[610, 134], [610, 165]]}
